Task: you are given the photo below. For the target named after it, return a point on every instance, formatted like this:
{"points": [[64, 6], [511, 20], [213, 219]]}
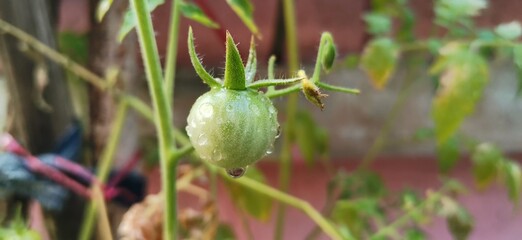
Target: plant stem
{"points": [[104, 167], [285, 165], [55, 56], [162, 115], [172, 50], [298, 203], [403, 95]]}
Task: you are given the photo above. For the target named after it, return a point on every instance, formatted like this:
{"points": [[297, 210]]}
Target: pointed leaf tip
{"points": [[198, 67], [234, 69]]}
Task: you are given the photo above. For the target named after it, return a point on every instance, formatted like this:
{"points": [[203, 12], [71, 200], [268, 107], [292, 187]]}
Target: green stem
{"points": [[325, 38], [283, 91], [162, 115], [285, 165], [172, 50], [403, 95], [104, 167], [285, 198], [55, 56]]}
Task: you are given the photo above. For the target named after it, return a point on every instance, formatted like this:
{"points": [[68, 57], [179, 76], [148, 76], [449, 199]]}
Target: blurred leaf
{"points": [[225, 232], [486, 158], [356, 214], [512, 180], [102, 9], [448, 154], [362, 184], [448, 12], [74, 46], [18, 229], [406, 29], [378, 24], [244, 9], [423, 134], [460, 222], [465, 74], [517, 59], [509, 31], [414, 234], [310, 137], [129, 21], [193, 12], [379, 59], [351, 61], [252, 202]]}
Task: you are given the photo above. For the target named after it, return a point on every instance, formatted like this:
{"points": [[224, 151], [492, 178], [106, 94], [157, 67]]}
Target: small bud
{"points": [[311, 91], [328, 56]]}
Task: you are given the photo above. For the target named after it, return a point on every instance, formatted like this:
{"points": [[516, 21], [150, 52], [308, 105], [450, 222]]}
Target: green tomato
{"points": [[232, 129]]}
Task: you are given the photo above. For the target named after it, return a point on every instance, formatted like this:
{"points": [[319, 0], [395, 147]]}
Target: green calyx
{"points": [[234, 70], [237, 76]]}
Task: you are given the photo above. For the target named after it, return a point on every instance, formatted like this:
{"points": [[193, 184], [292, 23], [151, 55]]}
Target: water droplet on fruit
{"points": [[236, 172], [272, 109], [278, 134], [254, 109], [216, 155], [202, 139], [230, 108], [270, 149], [206, 110]]}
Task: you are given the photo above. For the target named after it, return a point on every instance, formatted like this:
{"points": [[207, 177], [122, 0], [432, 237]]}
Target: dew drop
{"points": [[278, 134], [272, 109], [230, 108], [216, 155], [236, 172], [202, 139], [254, 109], [206, 110], [270, 149]]}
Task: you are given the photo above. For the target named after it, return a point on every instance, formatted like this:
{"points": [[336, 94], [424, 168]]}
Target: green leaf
{"points": [[75, 46], [512, 180], [251, 66], [509, 31], [356, 214], [196, 63], [193, 12], [225, 232], [461, 86], [102, 9], [448, 154], [234, 69], [244, 9], [517, 59], [252, 202], [378, 24], [451, 11], [414, 234], [351, 61], [379, 59], [460, 223], [129, 21], [311, 138], [486, 158]]}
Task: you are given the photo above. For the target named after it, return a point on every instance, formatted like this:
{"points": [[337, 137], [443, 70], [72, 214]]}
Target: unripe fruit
{"points": [[232, 128]]}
